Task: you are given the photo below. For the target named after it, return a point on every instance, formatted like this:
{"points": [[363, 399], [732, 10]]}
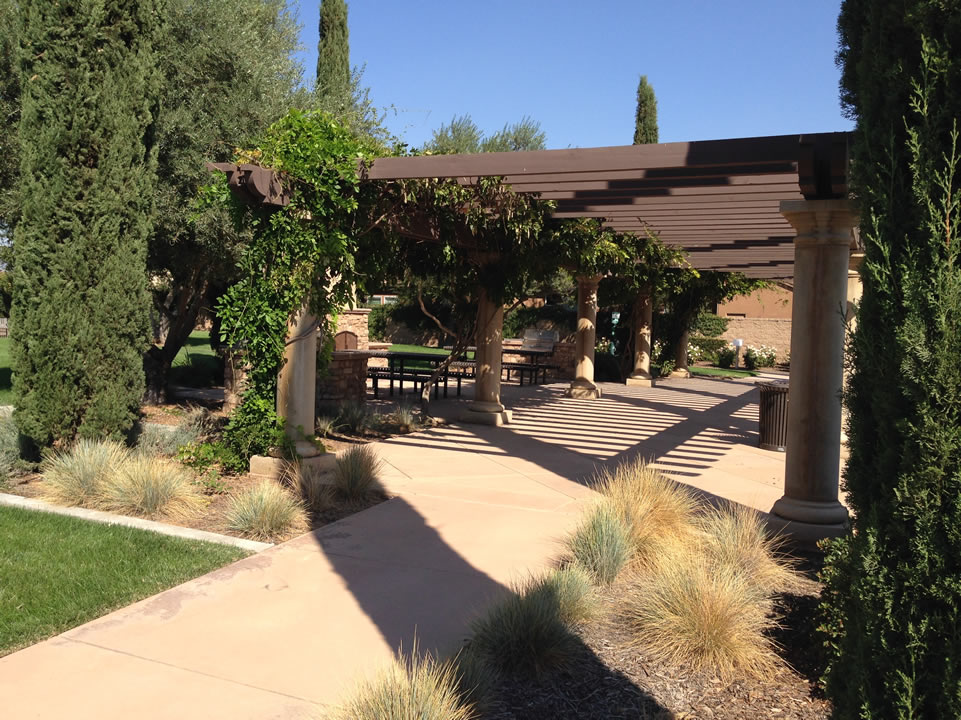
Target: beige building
{"points": [[761, 318]]}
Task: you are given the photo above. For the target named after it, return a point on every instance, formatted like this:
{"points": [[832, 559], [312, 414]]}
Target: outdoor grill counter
{"points": [[772, 418]]}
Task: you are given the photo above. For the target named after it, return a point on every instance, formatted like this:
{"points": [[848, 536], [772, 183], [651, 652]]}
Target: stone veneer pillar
{"points": [[582, 386], [809, 509], [296, 382], [486, 407], [643, 318]]}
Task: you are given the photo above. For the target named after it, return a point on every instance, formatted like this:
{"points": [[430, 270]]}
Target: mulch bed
{"points": [[213, 519], [610, 681]]}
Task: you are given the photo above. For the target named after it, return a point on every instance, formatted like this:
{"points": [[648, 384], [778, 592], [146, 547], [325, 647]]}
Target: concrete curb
{"points": [[139, 523]]}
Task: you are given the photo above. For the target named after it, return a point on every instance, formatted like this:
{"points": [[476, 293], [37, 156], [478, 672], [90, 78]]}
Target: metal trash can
{"points": [[772, 420]]}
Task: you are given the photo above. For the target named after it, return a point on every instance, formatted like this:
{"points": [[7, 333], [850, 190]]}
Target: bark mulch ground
{"points": [[610, 681]]}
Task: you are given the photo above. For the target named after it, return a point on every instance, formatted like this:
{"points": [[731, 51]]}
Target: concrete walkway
{"points": [[283, 633]]}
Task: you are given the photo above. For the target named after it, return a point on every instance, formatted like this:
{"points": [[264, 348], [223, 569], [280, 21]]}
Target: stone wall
{"points": [[563, 356], [355, 321], [378, 361], [346, 379], [773, 332]]}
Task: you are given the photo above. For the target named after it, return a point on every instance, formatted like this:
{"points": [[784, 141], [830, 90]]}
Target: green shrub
{"points": [[356, 473], [377, 322], [413, 687], [530, 632], [266, 512], [725, 357], [705, 348], [9, 445], [77, 476], [206, 455], [150, 487], [601, 544], [709, 325], [405, 416], [560, 317]]}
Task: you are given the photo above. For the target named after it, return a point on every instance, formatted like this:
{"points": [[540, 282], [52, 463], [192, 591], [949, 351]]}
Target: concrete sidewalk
{"points": [[282, 633]]}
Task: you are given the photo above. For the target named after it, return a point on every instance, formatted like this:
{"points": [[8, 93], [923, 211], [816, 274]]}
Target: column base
{"points": [[639, 381], [483, 414], [814, 512], [680, 373], [273, 468], [802, 535], [583, 390]]}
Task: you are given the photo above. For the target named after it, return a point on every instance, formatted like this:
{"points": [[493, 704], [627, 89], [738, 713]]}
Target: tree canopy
{"points": [[462, 136], [79, 316], [645, 117]]}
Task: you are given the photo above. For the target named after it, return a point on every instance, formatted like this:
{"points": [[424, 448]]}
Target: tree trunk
{"points": [[178, 315]]}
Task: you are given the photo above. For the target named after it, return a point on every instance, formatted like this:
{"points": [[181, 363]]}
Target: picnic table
{"points": [[414, 367]]}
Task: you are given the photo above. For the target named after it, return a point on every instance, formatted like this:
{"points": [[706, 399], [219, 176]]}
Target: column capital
{"points": [[591, 281], [821, 222]]}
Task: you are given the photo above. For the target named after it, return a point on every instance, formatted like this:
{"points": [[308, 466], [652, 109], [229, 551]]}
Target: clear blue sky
{"points": [[719, 68]]}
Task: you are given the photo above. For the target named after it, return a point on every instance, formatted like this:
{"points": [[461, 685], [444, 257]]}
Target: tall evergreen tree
{"points": [[333, 53], [79, 320], [645, 117], [892, 603]]}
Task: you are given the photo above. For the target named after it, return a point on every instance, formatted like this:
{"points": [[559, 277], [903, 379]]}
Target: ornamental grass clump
{"points": [[413, 687], [194, 428], [266, 512], [735, 537], [356, 473], [531, 631], [355, 417], [601, 545], [151, 487], [311, 485], [656, 510], [685, 611], [77, 476]]}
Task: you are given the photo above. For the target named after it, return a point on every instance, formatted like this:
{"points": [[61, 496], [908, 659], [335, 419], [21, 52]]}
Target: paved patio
{"points": [[284, 633]]}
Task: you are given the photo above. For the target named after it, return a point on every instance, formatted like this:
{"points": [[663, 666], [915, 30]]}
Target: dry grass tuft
{"points": [[266, 512], [151, 487], [311, 485], [76, 476], [601, 545], [735, 537], [684, 611], [656, 510], [356, 474], [530, 631], [413, 687]]}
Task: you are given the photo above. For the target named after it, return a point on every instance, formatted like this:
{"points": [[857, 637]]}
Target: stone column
{"points": [[809, 509], [486, 407], [582, 386], [296, 382], [643, 318], [680, 357]]}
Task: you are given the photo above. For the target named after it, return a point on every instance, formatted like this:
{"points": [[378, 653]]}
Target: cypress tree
{"points": [[645, 118], [892, 603], [79, 318], [333, 52]]}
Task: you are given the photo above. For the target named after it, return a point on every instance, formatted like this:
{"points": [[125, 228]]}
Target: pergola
{"points": [[768, 207]]}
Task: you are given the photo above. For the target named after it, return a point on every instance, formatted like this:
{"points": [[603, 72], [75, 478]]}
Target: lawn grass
{"points": [[721, 372], [58, 572], [196, 365]]}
